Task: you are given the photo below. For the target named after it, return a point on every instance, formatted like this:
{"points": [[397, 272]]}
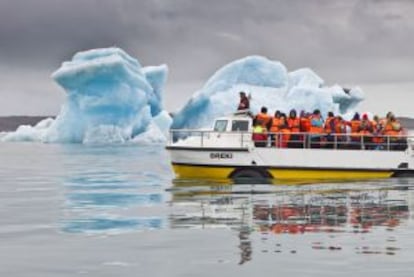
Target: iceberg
{"points": [[110, 98], [269, 84]]}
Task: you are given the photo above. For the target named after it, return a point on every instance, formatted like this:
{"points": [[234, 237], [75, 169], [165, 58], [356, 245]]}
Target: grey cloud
{"points": [[344, 41]]}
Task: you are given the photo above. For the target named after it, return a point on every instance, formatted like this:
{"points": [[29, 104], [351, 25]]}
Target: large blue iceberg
{"points": [[269, 84], [110, 98]]}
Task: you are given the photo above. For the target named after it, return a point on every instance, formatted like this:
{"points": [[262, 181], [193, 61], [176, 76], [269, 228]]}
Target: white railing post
{"points": [[362, 142], [303, 140], [202, 138], [388, 143]]}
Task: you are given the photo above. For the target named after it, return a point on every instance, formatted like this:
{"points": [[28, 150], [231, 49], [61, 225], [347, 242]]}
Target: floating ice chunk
{"points": [[269, 85], [110, 98]]}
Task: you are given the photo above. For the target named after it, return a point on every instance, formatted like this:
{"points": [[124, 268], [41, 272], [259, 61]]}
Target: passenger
{"points": [[305, 125], [284, 132], [393, 130], [329, 128], [244, 103], [259, 135], [355, 137], [263, 117], [293, 122], [365, 131], [340, 132], [316, 129], [377, 132], [274, 126]]}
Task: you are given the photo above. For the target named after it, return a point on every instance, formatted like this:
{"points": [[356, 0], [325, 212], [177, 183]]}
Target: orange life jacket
{"points": [[365, 128], [355, 125], [340, 127], [284, 138], [274, 128], [389, 129], [314, 129], [305, 124], [355, 130], [294, 124], [328, 123], [264, 118]]}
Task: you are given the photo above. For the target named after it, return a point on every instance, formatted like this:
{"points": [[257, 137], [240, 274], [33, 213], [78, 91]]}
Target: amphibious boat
{"points": [[227, 151]]}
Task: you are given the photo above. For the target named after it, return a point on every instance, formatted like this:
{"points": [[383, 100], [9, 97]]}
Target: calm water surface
{"points": [[72, 210]]}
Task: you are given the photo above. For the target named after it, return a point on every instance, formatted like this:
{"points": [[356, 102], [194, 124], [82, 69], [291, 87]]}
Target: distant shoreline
{"points": [[10, 123]]}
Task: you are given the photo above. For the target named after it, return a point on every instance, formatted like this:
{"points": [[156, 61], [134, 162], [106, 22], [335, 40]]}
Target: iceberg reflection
{"points": [[112, 225]]}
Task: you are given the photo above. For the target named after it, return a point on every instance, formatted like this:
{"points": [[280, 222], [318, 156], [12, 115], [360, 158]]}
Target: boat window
{"points": [[240, 125], [220, 126]]}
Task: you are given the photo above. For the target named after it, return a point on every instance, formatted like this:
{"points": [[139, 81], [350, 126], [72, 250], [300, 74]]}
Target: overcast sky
{"points": [[351, 42]]}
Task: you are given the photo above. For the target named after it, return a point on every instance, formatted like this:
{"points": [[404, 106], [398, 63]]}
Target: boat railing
{"points": [[244, 139]]}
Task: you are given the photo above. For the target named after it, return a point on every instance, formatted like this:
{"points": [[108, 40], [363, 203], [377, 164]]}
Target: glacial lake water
{"points": [[74, 210]]}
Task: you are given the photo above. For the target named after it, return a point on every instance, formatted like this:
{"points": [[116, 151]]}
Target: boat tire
{"points": [[249, 173]]}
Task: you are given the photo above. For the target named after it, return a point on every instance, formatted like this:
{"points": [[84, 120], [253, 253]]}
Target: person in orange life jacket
{"points": [[293, 122], [365, 131], [316, 128], [274, 126], [394, 129], [263, 117], [304, 122], [378, 132], [329, 129], [355, 137], [244, 103], [259, 135], [305, 125], [340, 131], [284, 136]]}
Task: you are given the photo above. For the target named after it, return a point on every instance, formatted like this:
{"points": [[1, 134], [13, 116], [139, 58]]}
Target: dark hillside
{"points": [[10, 123]]}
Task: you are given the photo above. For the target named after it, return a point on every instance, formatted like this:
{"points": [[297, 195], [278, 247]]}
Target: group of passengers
{"points": [[311, 130]]}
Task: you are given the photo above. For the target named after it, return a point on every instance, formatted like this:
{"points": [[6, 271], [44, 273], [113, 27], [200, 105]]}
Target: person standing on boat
{"points": [[393, 130], [378, 132], [259, 135], [274, 127], [244, 103], [284, 136], [263, 117], [330, 129], [341, 131], [294, 126], [355, 137], [316, 129], [365, 131], [305, 122]]}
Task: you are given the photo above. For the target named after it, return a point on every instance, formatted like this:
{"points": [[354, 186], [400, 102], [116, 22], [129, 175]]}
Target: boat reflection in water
{"points": [[277, 213]]}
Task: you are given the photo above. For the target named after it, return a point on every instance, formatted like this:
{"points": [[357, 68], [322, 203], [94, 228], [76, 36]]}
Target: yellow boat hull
{"points": [[225, 172]]}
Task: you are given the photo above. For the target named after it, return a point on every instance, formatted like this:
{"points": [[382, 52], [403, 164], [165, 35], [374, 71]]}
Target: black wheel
{"points": [[250, 175]]}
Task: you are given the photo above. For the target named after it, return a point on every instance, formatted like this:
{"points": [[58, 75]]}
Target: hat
{"points": [[365, 116]]}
